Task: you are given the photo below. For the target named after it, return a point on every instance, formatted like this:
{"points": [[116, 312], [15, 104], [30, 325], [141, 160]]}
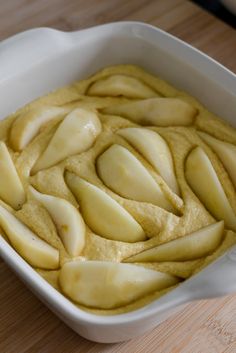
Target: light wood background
{"points": [[26, 325]]}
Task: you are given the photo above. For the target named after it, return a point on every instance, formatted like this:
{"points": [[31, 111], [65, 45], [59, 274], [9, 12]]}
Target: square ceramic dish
{"points": [[40, 60]]}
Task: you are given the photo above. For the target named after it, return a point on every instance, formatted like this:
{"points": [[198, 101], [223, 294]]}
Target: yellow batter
{"points": [[159, 225]]}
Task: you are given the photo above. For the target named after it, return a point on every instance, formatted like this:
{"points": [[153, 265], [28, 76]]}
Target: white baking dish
{"points": [[35, 62]]}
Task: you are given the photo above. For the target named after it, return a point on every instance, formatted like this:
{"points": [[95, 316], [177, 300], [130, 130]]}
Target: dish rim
{"points": [[20, 266]]}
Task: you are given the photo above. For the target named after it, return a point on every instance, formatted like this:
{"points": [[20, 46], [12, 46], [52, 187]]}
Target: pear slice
{"points": [[34, 250], [28, 125], [225, 151], [69, 223], [204, 181], [103, 214], [155, 149], [11, 189], [108, 285], [190, 247], [76, 133], [156, 111], [121, 85], [121, 171]]}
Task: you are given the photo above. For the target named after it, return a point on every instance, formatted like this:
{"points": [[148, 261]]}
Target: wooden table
{"points": [[26, 325]]}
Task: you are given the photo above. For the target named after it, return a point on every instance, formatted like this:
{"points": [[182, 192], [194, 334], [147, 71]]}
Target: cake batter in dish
{"points": [[117, 188]]}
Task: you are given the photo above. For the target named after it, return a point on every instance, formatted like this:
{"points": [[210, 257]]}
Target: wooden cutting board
{"points": [[26, 325]]}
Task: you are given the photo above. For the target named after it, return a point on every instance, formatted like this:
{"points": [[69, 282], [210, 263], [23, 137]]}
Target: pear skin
{"points": [[102, 213], [189, 247], [122, 172], [204, 182], [121, 85], [76, 133], [11, 188], [107, 285], [28, 125], [155, 149], [68, 221], [226, 152], [33, 249], [156, 111]]}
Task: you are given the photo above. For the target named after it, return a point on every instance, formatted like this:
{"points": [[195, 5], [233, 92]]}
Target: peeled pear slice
{"points": [[204, 181], [107, 285], [155, 149], [225, 151], [76, 133], [156, 111], [190, 247], [121, 85], [69, 223], [11, 189], [103, 214], [28, 125], [34, 250], [121, 171]]}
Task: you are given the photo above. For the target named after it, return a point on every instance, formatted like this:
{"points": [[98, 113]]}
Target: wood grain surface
{"points": [[26, 325]]}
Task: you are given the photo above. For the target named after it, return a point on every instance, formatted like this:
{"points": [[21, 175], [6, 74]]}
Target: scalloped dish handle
{"points": [[30, 47], [217, 279]]}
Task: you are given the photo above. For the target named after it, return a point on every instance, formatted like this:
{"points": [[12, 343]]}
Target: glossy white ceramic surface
{"points": [[35, 62]]}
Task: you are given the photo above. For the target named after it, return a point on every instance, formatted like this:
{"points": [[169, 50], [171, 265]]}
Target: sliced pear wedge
{"points": [[121, 85], [28, 125], [69, 222], [121, 171], [225, 151], [155, 149], [103, 214], [156, 111], [107, 285], [34, 250], [11, 189], [204, 181], [76, 133], [190, 247]]}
